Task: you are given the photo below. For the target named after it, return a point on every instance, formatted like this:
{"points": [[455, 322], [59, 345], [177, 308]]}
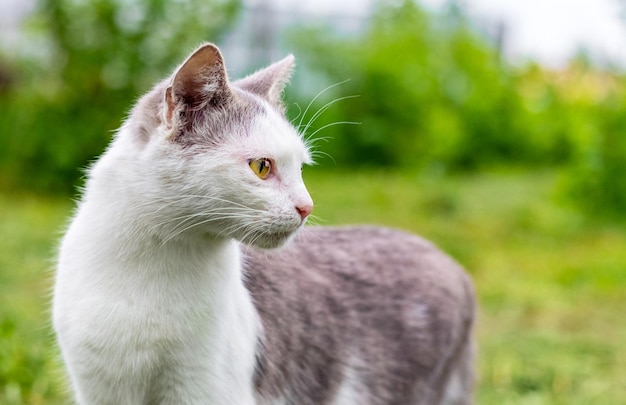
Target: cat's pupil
{"points": [[260, 167]]}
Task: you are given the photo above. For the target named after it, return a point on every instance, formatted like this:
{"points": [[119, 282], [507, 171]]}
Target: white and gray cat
{"points": [[165, 292]]}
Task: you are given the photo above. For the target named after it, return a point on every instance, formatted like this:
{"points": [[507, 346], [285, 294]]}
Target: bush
{"points": [[434, 94], [598, 181], [432, 90], [93, 58]]}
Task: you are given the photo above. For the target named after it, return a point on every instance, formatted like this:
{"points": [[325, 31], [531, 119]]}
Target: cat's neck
{"points": [[119, 233], [187, 291]]}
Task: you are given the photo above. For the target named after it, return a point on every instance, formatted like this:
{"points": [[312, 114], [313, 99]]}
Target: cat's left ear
{"points": [[270, 82], [199, 82]]}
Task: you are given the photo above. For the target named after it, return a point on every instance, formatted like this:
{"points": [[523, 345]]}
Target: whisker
{"points": [[178, 197], [221, 212], [237, 227], [316, 153], [312, 144], [250, 228], [322, 110], [316, 97], [298, 115], [208, 197], [184, 225], [332, 124], [315, 220]]}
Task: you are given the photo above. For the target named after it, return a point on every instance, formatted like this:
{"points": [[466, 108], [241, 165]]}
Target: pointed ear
{"points": [[201, 80], [270, 82]]}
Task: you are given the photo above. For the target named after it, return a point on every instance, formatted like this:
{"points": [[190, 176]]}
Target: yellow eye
{"points": [[260, 167]]}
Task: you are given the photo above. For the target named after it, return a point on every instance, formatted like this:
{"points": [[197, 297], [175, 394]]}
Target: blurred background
{"points": [[494, 128]]}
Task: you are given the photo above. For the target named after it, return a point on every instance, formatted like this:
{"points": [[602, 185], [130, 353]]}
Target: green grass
{"points": [[551, 283], [29, 229]]}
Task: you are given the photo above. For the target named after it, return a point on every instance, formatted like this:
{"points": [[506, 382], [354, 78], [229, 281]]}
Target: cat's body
{"points": [[384, 318], [158, 301]]}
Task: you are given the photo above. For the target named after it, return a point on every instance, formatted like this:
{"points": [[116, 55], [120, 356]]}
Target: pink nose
{"points": [[304, 210]]}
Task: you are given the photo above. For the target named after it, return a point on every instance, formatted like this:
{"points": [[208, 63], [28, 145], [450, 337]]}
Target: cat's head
{"points": [[219, 156]]}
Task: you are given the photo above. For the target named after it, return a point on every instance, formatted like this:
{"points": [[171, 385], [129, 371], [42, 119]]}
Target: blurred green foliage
{"points": [[90, 60], [435, 95], [431, 91]]}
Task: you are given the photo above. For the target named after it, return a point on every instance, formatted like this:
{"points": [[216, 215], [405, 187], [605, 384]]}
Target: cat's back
{"points": [[363, 314]]}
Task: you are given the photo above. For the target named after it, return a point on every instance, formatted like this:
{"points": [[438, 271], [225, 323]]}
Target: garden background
{"points": [[516, 170]]}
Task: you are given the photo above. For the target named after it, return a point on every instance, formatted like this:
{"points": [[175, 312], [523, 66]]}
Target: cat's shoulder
{"points": [[351, 254], [348, 239]]}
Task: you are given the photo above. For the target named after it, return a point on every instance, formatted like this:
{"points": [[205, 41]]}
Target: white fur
{"points": [[149, 304], [456, 391], [349, 389], [276, 401]]}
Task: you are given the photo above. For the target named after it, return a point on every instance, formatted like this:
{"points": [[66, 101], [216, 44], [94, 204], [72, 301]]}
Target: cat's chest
{"points": [[152, 301]]}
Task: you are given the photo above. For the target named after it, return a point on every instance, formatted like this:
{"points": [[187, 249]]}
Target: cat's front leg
{"points": [[190, 376], [101, 380]]}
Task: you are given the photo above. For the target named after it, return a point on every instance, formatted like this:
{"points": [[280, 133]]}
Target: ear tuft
{"points": [[270, 82]]}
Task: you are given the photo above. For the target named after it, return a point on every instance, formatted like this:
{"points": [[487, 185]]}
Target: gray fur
{"points": [[386, 305]]}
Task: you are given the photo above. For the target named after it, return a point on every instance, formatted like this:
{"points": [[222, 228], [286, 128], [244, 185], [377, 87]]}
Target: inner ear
{"points": [[270, 82], [200, 81]]}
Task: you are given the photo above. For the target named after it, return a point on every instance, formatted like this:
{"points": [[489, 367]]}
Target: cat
{"points": [[168, 288]]}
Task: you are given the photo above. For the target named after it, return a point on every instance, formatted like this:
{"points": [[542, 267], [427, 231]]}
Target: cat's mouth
{"points": [[269, 240]]}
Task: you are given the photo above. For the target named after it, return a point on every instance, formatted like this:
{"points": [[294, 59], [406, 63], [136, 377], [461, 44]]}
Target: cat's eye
{"points": [[260, 167]]}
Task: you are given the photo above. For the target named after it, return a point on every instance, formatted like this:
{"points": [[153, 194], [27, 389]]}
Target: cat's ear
{"points": [[270, 82], [200, 81]]}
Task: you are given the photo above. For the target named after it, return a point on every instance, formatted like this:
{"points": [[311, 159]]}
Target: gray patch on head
{"points": [[205, 127], [210, 126]]}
